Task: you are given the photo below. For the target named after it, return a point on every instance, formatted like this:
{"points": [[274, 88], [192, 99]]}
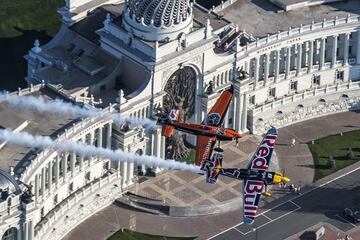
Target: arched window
{"points": [[10, 234], [222, 78], [226, 76], [230, 75]]}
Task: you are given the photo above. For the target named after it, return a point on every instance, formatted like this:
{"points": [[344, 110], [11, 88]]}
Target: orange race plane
{"points": [[208, 132]]}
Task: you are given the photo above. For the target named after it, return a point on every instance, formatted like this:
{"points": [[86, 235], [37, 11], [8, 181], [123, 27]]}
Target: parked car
{"points": [[352, 214]]}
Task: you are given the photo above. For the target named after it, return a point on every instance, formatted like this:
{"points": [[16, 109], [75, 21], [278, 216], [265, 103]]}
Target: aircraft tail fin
{"points": [[213, 166], [167, 130], [173, 115]]}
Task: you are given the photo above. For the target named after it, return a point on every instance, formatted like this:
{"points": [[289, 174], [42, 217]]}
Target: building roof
{"points": [[46, 124], [262, 17], [8, 185], [160, 12]]}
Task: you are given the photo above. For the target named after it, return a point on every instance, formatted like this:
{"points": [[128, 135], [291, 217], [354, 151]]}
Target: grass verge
{"points": [[338, 147]]}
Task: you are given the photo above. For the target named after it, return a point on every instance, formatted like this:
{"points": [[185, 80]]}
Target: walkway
{"points": [[296, 160]]}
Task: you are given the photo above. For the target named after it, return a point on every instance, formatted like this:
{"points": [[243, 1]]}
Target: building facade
{"points": [[127, 54]]}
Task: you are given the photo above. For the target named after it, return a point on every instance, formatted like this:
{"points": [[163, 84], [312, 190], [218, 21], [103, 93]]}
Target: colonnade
{"points": [[295, 59], [311, 54], [63, 165]]}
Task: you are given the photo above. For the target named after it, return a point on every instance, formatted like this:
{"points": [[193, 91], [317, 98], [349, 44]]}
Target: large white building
{"points": [[288, 62]]}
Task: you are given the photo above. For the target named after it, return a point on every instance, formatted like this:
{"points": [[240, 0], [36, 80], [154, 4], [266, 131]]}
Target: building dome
{"points": [[8, 184], [158, 20]]}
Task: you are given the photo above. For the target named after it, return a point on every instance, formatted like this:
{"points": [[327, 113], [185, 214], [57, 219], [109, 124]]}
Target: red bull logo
{"points": [[262, 155], [252, 192]]}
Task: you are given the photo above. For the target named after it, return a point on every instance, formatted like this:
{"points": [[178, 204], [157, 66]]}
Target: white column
{"points": [[123, 172], [81, 157], [108, 135], [305, 54], [311, 55], [299, 59], [256, 71], [43, 177], [36, 188], [358, 48], [158, 148], [236, 109], [346, 48], [322, 52], [239, 109], [72, 163], [266, 71], [99, 137], [31, 230], [163, 147], [130, 173], [288, 62], [244, 121], [50, 167], [92, 134], [57, 170], [277, 64], [64, 165], [334, 51], [25, 231]]}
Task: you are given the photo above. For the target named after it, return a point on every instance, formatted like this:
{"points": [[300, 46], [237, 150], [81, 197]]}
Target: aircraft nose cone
{"points": [[285, 179]]}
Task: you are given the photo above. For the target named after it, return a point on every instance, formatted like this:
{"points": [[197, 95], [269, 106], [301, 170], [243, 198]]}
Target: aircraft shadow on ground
{"points": [[313, 166]]}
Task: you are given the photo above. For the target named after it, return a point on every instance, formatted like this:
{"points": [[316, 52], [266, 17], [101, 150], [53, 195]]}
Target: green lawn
{"points": [[29, 15], [338, 147], [131, 235]]}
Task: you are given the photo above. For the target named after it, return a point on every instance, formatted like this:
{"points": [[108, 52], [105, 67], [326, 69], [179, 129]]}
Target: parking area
{"points": [[324, 203]]}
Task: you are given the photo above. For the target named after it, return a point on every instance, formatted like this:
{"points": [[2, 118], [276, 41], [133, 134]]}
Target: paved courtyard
{"points": [[185, 189]]}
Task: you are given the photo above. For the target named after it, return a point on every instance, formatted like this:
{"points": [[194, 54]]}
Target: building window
{"points": [[103, 87], [350, 50], [340, 75], [293, 86], [252, 99], [316, 80], [271, 92]]}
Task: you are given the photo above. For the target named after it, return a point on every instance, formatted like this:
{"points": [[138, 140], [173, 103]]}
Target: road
{"points": [[322, 204]]}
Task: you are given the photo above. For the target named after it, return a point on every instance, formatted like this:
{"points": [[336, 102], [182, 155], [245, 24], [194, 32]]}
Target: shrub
{"points": [[331, 164]]}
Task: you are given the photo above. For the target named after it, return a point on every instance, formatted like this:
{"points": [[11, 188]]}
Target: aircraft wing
{"points": [[251, 196], [252, 189], [204, 148], [262, 156], [217, 113]]}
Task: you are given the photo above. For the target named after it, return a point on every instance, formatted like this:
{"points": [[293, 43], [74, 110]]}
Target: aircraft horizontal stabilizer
{"points": [[213, 166]]}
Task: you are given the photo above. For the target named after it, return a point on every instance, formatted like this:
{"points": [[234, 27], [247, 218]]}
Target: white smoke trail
{"points": [[26, 139], [60, 107]]}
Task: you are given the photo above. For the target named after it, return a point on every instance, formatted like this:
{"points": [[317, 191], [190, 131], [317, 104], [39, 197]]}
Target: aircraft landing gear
{"points": [[266, 193]]}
